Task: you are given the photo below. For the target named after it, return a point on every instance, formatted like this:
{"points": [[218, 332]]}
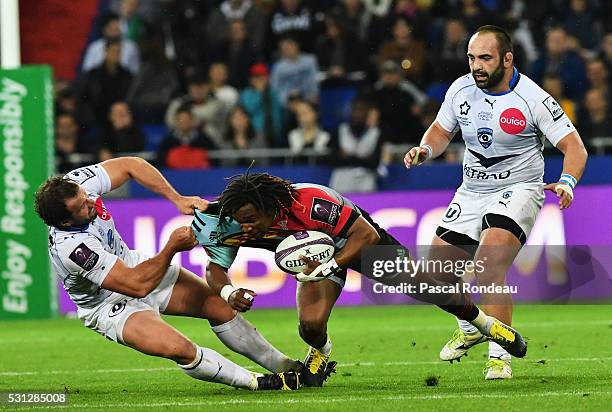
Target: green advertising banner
{"points": [[26, 154]]}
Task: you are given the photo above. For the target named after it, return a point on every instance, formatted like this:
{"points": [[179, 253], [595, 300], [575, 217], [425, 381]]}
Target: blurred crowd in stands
{"points": [[344, 79]]}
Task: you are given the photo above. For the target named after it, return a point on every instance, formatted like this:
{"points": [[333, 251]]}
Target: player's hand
{"points": [[182, 239], [187, 204], [311, 264], [415, 157], [241, 299], [563, 192]]}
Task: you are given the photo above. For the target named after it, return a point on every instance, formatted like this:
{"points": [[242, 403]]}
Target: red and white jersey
{"points": [[83, 256], [503, 133], [315, 207]]}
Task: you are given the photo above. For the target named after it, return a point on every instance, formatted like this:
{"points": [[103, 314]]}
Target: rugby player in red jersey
{"points": [[260, 210]]}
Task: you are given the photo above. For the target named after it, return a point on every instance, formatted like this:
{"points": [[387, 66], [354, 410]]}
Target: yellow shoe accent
{"points": [[497, 369], [316, 360], [499, 331]]}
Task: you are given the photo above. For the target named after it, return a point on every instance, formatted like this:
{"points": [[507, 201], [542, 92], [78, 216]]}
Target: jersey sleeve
{"points": [[84, 256], [223, 256], [326, 213], [446, 116], [551, 120], [205, 228], [207, 232], [93, 179]]}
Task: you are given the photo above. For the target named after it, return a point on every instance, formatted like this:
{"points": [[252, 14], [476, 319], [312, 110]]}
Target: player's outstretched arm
{"points": [[122, 169], [239, 299], [140, 280], [574, 161], [359, 235], [433, 144]]}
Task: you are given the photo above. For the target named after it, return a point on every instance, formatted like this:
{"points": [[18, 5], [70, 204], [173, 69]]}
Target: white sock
{"points": [[240, 336], [483, 322], [210, 366], [327, 348], [496, 351], [467, 327]]}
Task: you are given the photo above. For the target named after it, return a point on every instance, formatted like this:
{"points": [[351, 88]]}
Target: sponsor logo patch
{"points": [[512, 121], [452, 213], [84, 257], [103, 213], [325, 211], [554, 108]]}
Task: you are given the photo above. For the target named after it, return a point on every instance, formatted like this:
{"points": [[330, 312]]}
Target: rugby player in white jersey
{"points": [[120, 293], [503, 117]]}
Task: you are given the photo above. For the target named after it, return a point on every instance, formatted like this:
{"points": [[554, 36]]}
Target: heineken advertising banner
{"points": [[26, 153]]}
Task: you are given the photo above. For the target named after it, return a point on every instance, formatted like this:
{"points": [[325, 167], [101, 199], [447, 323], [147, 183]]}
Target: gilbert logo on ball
{"points": [[512, 121], [317, 246]]}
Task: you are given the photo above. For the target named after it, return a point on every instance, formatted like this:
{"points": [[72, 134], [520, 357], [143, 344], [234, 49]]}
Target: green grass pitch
{"points": [[385, 353]]}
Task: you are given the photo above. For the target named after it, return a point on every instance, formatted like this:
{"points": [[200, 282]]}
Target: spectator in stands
{"points": [[473, 14], [123, 135], [131, 24], [111, 32], [240, 135], [338, 55], [68, 142], [208, 112], [232, 10], [605, 50], [406, 50], [295, 72], [359, 23], [217, 76], [581, 23], [449, 60], [559, 60], [554, 86], [154, 85], [186, 146], [598, 76], [106, 84], [66, 101], [295, 18], [238, 53], [359, 151], [397, 103], [308, 134], [264, 107], [596, 119], [182, 28]]}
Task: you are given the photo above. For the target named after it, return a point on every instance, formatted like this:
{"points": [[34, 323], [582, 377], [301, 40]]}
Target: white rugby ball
{"points": [[310, 243]]}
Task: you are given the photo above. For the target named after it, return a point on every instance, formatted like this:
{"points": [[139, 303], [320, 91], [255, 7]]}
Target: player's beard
{"points": [[493, 79]]}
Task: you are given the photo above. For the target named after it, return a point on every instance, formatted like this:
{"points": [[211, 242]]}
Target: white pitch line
{"points": [[326, 400], [519, 325], [341, 365]]}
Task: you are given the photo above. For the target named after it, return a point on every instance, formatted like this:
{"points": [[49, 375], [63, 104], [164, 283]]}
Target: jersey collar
{"points": [[81, 228], [513, 82]]}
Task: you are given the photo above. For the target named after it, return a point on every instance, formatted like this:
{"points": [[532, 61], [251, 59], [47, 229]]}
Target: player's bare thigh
{"points": [[147, 332], [315, 300], [191, 296], [441, 250]]}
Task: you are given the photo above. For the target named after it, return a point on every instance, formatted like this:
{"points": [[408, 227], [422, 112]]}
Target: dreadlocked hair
{"points": [[267, 193]]}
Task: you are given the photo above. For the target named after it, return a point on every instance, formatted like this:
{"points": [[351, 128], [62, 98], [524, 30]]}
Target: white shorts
{"points": [[109, 318], [521, 203]]}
